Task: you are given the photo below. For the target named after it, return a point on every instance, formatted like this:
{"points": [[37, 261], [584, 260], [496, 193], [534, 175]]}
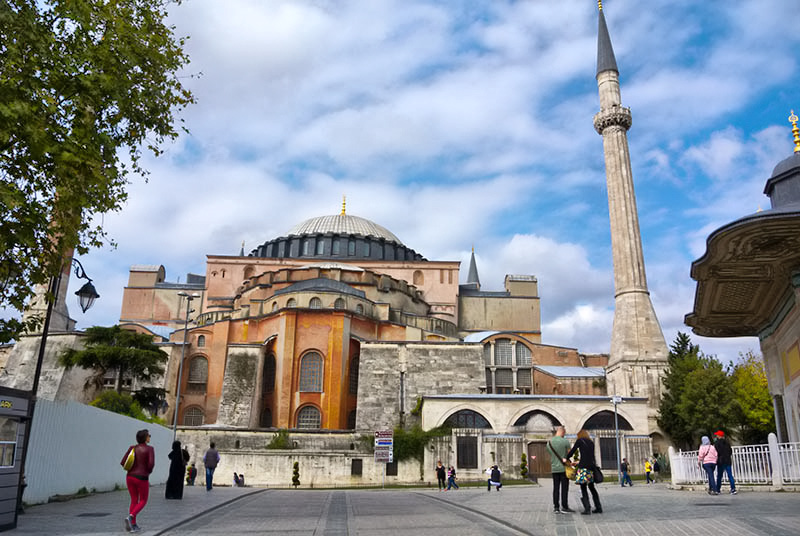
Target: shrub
{"points": [[123, 404], [523, 467], [280, 440], [296, 474]]}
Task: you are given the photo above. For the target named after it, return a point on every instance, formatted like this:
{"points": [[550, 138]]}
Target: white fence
{"points": [[775, 464], [76, 446]]}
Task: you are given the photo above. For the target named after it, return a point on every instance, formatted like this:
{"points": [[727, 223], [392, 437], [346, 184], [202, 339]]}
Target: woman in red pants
{"points": [[138, 477]]}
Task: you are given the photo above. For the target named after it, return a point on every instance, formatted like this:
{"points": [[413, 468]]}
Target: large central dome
{"points": [[344, 224]]}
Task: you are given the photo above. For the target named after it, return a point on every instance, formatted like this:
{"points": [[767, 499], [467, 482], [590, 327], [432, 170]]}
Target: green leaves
{"points": [[701, 397], [82, 82]]}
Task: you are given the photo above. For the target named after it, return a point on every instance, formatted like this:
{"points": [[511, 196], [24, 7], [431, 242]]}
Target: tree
{"points": [[85, 85], [755, 417], [698, 395], [117, 349], [296, 474]]}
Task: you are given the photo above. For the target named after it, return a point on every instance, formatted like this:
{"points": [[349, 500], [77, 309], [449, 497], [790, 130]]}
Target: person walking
{"points": [[707, 456], [586, 465], [724, 461], [626, 477], [451, 478], [557, 447], [441, 475], [656, 468], [138, 477], [177, 468], [648, 468], [210, 460], [191, 474]]}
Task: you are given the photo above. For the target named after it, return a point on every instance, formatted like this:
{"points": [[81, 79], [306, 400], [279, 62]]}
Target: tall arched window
{"points": [[311, 373], [198, 375], [353, 387], [502, 352], [315, 303], [320, 246], [268, 384], [193, 417], [335, 246], [266, 418], [309, 417], [419, 278], [338, 304], [351, 247], [201, 341], [306, 248]]}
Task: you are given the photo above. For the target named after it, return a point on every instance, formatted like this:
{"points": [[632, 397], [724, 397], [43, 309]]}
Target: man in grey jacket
{"points": [[210, 460]]}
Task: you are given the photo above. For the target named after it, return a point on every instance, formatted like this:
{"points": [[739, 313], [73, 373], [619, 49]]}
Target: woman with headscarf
{"points": [[584, 475], [707, 456], [177, 468]]}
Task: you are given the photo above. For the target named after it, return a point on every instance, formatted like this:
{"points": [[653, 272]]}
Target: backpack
{"points": [[129, 459]]}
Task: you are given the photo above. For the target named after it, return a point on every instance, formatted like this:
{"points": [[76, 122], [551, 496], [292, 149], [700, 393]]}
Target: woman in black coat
{"points": [[585, 446], [177, 468]]}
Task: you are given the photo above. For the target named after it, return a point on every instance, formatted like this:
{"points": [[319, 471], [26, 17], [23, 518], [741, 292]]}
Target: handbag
{"points": [[129, 458], [597, 475]]}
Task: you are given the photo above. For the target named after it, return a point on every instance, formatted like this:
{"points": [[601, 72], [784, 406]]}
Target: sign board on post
{"points": [[384, 446]]}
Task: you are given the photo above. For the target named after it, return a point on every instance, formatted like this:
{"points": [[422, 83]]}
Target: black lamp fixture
{"points": [[87, 294]]}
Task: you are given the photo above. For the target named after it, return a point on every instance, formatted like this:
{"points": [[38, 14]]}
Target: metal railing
{"points": [[774, 463]]}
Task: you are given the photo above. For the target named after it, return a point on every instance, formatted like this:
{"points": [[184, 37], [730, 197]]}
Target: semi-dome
{"points": [[343, 224]]}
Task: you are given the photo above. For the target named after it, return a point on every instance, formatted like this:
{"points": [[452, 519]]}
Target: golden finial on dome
{"points": [[795, 131], [600, 5], [344, 204]]}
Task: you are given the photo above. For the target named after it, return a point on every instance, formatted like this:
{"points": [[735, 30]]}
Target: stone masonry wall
{"points": [[426, 369], [238, 386]]}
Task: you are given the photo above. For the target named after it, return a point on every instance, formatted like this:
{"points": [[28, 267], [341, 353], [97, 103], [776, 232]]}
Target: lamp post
{"points": [[87, 294], [617, 400], [189, 298]]}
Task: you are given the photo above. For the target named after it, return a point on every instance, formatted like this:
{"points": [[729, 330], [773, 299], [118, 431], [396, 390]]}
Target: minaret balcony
{"points": [[616, 115]]}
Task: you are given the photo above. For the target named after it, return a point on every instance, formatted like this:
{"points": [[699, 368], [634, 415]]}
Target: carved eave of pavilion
{"points": [[747, 275]]}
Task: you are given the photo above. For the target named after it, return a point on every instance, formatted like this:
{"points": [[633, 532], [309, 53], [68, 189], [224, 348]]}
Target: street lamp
{"points": [[86, 297], [617, 400], [189, 298]]}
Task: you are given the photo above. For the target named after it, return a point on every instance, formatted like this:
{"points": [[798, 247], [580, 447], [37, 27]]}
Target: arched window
{"points": [[309, 417], [502, 352], [335, 247], [338, 304], [353, 387], [248, 272], [193, 417], [359, 309], [604, 420], [320, 246], [311, 373], [268, 384], [201, 341], [366, 249], [351, 247], [419, 278], [306, 248], [315, 303], [351, 420], [266, 418], [291, 302], [523, 355], [274, 306], [198, 375], [467, 418]]}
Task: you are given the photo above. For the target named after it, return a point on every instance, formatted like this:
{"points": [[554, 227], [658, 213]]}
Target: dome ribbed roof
{"points": [[342, 224]]}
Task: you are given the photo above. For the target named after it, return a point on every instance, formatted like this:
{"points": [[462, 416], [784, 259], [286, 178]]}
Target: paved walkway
{"points": [[517, 510]]}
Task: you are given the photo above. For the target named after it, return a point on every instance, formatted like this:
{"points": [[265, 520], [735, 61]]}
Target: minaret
{"points": [[472, 275], [638, 350]]}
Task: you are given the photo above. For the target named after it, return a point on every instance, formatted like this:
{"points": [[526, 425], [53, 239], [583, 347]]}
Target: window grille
{"points": [[193, 417], [266, 418], [523, 355], [335, 247], [311, 373], [320, 247], [523, 378], [198, 374], [291, 302], [353, 390], [201, 341], [338, 304], [504, 378], [360, 309], [487, 354], [351, 420], [466, 418], [502, 352], [467, 452], [315, 303], [351, 247], [309, 418]]}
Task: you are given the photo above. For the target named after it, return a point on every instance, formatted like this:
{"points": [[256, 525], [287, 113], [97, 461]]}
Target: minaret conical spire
{"points": [[605, 52], [472, 275]]}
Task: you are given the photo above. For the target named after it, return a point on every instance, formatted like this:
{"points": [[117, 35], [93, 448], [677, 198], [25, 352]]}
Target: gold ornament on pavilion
{"points": [[795, 131]]}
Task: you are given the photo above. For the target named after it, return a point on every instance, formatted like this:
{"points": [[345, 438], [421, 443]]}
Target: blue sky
{"points": [[456, 124]]}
